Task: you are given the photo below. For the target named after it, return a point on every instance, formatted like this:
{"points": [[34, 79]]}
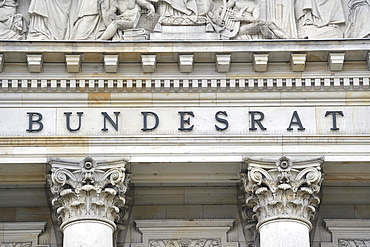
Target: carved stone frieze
{"points": [[354, 242], [357, 26], [318, 20], [177, 19], [15, 244], [348, 232], [185, 242], [282, 189], [12, 24], [21, 234], [185, 233], [88, 189]]}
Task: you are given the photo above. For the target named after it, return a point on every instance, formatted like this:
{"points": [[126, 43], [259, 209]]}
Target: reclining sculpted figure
{"points": [[124, 15]]}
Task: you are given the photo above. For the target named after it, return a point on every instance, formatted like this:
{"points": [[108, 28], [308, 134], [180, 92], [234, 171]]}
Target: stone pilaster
{"points": [[282, 190], [88, 190]]}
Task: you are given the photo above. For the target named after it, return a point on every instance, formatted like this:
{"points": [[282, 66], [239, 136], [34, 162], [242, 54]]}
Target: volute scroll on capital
{"points": [[183, 20], [88, 189], [282, 189]]}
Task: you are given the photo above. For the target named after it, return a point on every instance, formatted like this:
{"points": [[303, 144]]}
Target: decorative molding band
{"points": [[21, 234], [348, 232], [186, 55], [142, 140], [353, 242], [185, 85], [186, 242], [189, 233], [193, 46], [16, 244]]}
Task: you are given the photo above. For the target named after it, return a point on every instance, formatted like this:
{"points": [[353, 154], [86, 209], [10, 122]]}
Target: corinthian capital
{"points": [[88, 189], [282, 189]]}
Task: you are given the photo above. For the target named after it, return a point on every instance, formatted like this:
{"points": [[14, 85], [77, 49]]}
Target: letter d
{"points": [[145, 115]]}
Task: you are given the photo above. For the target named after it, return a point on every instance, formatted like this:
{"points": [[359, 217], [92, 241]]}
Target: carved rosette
{"points": [[282, 189], [88, 190]]}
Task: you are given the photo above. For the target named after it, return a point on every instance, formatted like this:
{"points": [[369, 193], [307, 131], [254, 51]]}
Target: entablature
{"points": [[184, 66], [149, 53]]}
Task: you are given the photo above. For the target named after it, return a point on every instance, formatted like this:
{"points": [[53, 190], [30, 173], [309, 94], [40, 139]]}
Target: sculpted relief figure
{"points": [[359, 19], [192, 19], [240, 19], [281, 12], [183, 13], [49, 20], [12, 25], [123, 15], [89, 24], [319, 18]]}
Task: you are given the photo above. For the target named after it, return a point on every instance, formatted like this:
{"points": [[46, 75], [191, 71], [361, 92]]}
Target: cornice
{"points": [[151, 46], [184, 66], [185, 53]]}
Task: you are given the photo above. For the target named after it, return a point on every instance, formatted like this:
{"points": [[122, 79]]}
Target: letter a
{"points": [[298, 121]]}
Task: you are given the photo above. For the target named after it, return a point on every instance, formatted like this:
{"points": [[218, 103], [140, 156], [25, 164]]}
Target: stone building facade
{"points": [[199, 123]]}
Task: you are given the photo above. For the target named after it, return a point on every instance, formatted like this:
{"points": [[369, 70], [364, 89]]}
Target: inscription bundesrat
{"points": [[35, 121]]}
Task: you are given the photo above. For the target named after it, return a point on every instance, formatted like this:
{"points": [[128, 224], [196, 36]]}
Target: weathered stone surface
{"points": [[198, 232], [88, 190], [177, 20], [185, 175], [281, 197]]}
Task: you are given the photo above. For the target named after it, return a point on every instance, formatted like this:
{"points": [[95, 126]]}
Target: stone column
{"points": [[281, 196], [89, 199]]}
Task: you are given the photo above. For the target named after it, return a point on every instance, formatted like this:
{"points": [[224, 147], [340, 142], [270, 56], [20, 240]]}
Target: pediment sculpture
{"points": [[12, 25], [183, 20]]}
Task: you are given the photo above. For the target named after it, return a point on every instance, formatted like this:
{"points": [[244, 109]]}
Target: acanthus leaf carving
{"points": [[88, 189], [284, 189]]}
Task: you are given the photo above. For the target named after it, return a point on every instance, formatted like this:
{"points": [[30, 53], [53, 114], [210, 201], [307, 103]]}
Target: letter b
{"points": [[32, 121]]}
